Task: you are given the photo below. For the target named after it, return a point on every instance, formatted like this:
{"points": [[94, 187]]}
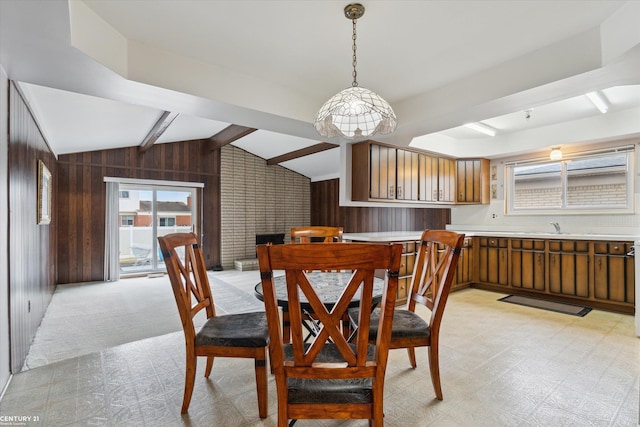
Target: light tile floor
{"points": [[501, 365]]}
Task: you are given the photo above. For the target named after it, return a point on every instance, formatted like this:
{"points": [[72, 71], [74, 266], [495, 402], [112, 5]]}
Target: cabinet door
{"points": [[407, 175], [406, 271], [428, 178], [383, 172], [613, 272], [446, 180], [464, 269], [569, 268], [472, 181], [527, 264], [493, 262]]}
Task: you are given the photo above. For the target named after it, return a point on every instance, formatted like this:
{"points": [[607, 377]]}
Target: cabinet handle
{"points": [[391, 188], [399, 193], [440, 194], [615, 248]]}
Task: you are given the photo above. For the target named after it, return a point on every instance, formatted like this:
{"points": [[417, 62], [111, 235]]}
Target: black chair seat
{"points": [[406, 324], [359, 390], [234, 330]]}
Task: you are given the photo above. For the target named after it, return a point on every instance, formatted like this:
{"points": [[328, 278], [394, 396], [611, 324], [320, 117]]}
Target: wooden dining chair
{"points": [[242, 335], [314, 233], [433, 274], [329, 377]]}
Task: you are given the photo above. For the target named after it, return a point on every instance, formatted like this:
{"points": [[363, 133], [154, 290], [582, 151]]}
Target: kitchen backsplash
{"points": [[489, 217]]}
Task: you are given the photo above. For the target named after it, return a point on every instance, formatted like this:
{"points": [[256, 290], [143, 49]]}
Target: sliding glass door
{"points": [[146, 212]]}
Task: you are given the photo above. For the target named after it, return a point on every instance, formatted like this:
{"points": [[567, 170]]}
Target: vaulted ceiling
{"points": [[104, 74]]}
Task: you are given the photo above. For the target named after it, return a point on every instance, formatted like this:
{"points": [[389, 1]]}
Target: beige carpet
{"points": [[89, 317]]}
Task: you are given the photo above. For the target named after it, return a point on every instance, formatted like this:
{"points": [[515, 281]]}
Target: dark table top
{"points": [[328, 285]]}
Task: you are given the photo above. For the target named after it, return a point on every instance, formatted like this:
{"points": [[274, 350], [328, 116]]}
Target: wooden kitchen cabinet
{"points": [[465, 267], [569, 268], [386, 173], [436, 179], [472, 181], [613, 278], [428, 178], [406, 271], [383, 173], [446, 180], [493, 255], [599, 274], [374, 172], [527, 264], [407, 175]]}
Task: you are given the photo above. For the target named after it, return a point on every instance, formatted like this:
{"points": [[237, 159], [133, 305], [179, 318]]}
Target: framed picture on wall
{"points": [[44, 194]]}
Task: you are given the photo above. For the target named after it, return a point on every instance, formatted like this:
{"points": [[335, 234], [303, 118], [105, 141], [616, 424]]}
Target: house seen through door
{"points": [[146, 212]]}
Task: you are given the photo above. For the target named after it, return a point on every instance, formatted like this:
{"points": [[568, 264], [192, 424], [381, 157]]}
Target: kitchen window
{"points": [[600, 182]]}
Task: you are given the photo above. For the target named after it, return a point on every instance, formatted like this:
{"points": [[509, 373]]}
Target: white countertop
{"points": [[399, 236], [383, 236], [545, 235]]}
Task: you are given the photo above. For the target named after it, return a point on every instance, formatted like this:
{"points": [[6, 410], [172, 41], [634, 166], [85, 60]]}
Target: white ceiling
{"points": [[99, 74]]}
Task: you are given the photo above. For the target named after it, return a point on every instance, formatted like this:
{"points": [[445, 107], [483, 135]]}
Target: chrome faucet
{"points": [[556, 226]]}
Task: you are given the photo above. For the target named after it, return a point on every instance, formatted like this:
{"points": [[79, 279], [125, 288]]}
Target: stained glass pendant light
{"points": [[355, 112]]}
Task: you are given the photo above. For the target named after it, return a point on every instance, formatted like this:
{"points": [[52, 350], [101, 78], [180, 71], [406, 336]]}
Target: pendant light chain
{"points": [[355, 61]]}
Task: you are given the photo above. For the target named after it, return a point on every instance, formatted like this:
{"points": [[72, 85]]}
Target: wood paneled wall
{"points": [[82, 194], [32, 255], [326, 210]]}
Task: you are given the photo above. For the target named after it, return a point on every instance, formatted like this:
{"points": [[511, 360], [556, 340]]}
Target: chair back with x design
{"points": [[329, 377]]}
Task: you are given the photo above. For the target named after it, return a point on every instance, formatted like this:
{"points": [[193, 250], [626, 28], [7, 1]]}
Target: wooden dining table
{"points": [[329, 287]]}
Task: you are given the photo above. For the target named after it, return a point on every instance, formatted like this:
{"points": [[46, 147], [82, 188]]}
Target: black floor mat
{"points": [[574, 310]]}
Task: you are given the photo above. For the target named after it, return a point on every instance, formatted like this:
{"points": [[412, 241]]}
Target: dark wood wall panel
{"points": [[32, 256], [82, 197], [326, 210]]}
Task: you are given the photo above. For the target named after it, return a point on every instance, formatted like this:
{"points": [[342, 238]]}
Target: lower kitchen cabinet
{"points": [[464, 269], [613, 272], [493, 260], [406, 271], [599, 274], [527, 264], [569, 268]]}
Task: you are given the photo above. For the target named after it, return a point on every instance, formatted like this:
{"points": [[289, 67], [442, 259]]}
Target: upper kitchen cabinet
{"points": [[407, 175], [472, 181], [436, 179], [373, 172], [385, 173]]}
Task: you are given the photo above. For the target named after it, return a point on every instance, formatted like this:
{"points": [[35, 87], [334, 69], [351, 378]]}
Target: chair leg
{"points": [[261, 383], [434, 368], [189, 380], [411, 351], [207, 371]]}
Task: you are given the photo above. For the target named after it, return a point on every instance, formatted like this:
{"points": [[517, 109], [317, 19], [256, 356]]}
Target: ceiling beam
{"points": [[228, 135], [301, 153], [157, 130]]}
